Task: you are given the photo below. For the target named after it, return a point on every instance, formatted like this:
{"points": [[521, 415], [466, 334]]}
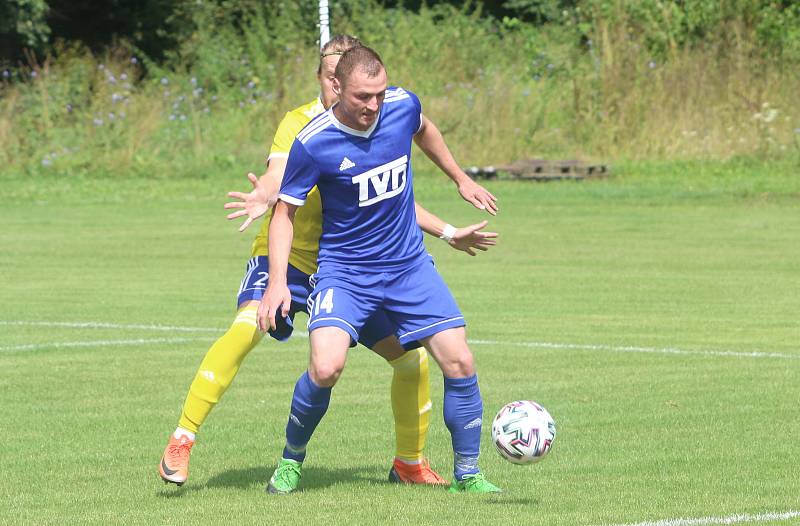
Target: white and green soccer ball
{"points": [[523, 432]]}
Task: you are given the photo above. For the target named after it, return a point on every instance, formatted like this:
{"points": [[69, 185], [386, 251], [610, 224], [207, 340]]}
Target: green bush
{"points": [[23, 24]]}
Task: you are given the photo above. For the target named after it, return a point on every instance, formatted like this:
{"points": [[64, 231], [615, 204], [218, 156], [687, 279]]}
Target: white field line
{"points": [[536, 345], [625, 348], [98, 343], [731, 519], [103, 325]]}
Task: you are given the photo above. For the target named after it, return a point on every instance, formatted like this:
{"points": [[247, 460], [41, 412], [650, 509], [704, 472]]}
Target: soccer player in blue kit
{"points": [[358, 153]]}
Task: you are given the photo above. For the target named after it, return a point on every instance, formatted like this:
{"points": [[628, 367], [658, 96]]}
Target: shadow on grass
{"points": [[314, 478]]}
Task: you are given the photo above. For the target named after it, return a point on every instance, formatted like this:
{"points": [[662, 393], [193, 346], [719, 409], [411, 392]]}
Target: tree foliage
{"points": [[160, 28], [23, 24]]}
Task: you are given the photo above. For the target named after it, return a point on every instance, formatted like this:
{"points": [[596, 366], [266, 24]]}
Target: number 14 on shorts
{"points": [[322, 301]]}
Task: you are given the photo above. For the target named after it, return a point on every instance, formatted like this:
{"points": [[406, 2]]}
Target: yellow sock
{"points": [[411, 403], [219, 367]]}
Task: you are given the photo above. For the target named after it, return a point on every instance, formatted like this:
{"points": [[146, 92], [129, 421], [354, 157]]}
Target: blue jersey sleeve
{"points": [[418, 106], [299, 177]]}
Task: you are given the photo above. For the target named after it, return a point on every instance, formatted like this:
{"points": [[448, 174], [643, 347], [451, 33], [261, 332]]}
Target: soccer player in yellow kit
{"points": [[410, 391]]}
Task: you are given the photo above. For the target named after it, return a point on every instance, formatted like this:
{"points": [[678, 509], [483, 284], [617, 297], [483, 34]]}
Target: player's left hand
{"points": [[253, 204], [472, 237], [480, 197]]}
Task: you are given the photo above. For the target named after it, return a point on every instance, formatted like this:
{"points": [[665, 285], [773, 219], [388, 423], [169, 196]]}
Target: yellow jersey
{"points": [[308, 219]]}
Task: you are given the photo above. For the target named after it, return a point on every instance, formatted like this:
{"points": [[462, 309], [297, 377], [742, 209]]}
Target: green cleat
{"points": [[286, 477], [476, 483]]}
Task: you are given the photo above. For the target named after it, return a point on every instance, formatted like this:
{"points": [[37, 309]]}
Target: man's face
{"points": [[361, 98], [326, 78]]}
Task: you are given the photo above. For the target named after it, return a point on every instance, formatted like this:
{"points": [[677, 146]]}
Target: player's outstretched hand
{"points": [[472, 237], [253, 204], [276, 298], [479, 196]]}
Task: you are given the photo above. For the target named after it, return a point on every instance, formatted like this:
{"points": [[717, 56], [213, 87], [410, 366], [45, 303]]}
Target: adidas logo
{"points": [[475, 423], [346, 163]]}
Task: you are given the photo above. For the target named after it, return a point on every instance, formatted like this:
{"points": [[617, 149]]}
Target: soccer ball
{"points": [[523, 432]]}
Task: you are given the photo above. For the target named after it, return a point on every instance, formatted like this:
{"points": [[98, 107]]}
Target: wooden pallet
{"points": [[541, 170]]}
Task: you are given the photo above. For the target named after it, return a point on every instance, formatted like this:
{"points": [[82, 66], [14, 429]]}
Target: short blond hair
{"points": [[338, 45]]}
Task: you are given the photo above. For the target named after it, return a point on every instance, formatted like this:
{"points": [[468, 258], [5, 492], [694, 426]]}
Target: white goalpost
{"points": [[324, 23]]}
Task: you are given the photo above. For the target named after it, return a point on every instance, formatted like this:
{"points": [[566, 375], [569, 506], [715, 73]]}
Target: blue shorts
{"points": [[415, 300], [255, 282]]}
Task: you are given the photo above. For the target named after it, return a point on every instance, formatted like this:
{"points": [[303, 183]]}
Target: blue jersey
{"points": [[365, 182]]}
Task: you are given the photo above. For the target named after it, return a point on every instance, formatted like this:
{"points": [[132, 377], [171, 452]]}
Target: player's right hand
{"points": [[253, 204], [276, 297]]}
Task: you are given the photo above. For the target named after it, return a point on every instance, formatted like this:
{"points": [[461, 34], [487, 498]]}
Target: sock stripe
{"points": [[247, 316], [297, 450]]}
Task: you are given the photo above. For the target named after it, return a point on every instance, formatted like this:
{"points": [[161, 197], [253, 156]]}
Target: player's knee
{"points": [[464, 364], [458, 365], [243, 337], [325, 375], [244, 330], [450, 350]]}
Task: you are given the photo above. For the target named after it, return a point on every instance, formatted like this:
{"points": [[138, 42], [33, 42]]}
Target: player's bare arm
{"points": [[262, 197], [431, 142], [467, 239], [277, 295]]}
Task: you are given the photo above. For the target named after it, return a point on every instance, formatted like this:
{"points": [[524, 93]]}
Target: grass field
{"points": [[657, 321]]}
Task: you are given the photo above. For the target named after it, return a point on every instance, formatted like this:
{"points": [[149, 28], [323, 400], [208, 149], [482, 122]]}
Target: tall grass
{"points": [[498, 91], [720, 99]]}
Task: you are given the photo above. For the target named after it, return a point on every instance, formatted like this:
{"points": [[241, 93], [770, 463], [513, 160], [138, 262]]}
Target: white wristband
{"points": [[448, 232]]}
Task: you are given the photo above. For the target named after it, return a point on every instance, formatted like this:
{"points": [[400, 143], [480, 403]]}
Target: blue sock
{"points": [[309, 404], [463, 413]]}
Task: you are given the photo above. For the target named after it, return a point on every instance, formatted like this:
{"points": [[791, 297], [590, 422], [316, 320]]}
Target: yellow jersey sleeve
{"points": [[290, 126], [308, 219]]}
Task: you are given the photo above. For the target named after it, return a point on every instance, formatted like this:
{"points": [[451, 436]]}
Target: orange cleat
{"points": [[174, 466], [415, 473]]}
